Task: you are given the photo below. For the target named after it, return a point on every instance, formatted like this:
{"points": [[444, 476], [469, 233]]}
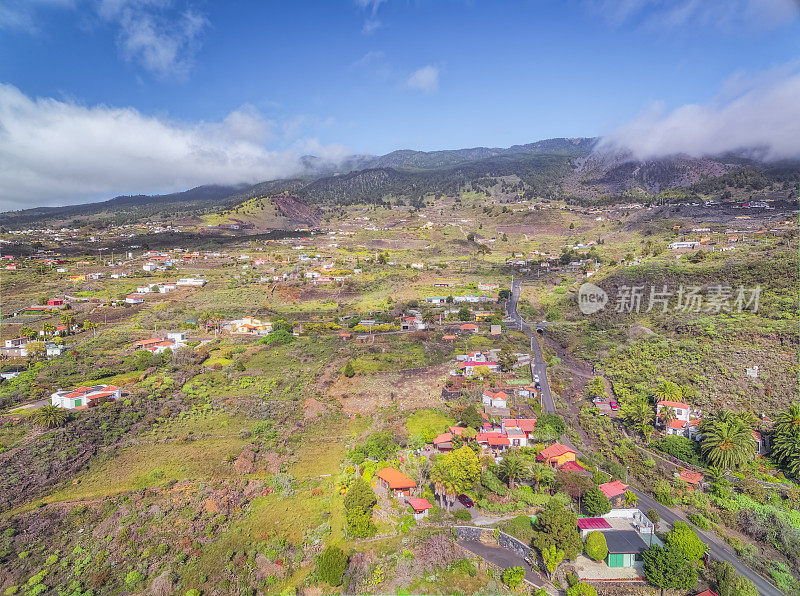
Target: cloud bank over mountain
{"points": [[760, 114], [54, 152]]}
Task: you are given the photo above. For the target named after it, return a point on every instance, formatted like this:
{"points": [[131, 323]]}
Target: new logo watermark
{"points": [[687, 299], [591, 298]]}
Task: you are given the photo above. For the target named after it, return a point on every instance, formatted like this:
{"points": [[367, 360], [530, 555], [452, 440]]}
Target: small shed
{"points": [[625, 547]]}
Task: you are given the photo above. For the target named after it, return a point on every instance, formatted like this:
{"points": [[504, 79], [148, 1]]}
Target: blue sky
{"points": [[256, 83]]}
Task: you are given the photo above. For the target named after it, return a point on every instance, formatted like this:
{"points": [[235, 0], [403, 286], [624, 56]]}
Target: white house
{"points": [[497, 399], [435, 300], [149, 267], [684, 419], [678, 245], [191, 281], [134, 299], [84, 397]]}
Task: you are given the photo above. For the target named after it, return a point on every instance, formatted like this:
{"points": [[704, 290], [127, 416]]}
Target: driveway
{"points": [[502, 557]]}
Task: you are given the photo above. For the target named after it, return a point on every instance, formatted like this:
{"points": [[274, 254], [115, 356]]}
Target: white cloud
{"points": [[21, 14], [55, 152], [156, 34], [371, 23], [152, 34], [670, 14], [425, 79], [760, 113]]}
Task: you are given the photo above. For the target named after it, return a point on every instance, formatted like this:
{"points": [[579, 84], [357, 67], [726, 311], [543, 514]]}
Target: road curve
{"points": [[717, 550]]}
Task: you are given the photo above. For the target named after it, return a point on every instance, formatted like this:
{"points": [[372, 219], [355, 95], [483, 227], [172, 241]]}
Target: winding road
{"points": [[717, 549]]}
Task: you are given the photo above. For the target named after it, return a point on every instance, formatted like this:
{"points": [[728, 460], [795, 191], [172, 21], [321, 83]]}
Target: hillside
{"points": [[568, 169]]}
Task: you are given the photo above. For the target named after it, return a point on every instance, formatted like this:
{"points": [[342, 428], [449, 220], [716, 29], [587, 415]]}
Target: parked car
{"points": [[613, 405], [535, 378], [466, 501]]}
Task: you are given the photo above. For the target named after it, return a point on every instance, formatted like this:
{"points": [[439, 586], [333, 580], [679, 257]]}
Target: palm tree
{"points": [[666, 415], [68, 319], [48, 329], [727, 442], [50, 416], [667, 391], [541, 474], [786, 439], [511, 469]]}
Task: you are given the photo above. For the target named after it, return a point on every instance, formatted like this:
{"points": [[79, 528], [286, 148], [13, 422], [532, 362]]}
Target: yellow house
{"points": [[556, 455]]}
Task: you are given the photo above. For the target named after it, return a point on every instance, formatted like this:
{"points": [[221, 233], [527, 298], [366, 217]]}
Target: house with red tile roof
{"points": [[472, 327], [708, 592], [615, 491], [683, 421], [496, 442], [575, 468], [85, 397], [393, 483], [526, 425], [468, 367], [444, 442], [556, 455], [419, 506]]}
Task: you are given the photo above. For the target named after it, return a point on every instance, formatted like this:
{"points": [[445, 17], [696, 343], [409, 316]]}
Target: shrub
{"points": [[653, 516], [133, 577], [595, 546], [581, 589], [700, 521], [331, 564], [192, 592], [349, 371], [513, 576], [462, 515], [595, 502]]}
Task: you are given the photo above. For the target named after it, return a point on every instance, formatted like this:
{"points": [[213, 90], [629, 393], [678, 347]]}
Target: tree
{"points": [[48, 329], [558, 526], [50, 416], [471, 417], [464, 314], [631, 498], [552, 558], [573, 484], [596, 388], [730, 583], [667, 391], [331, 564], [683, 538], [89, 325], [541, 474], [349, 371], [506, 360], [358, 504], [727, 442], [653, 516], [36, 350], [455, 472], [28, 332], [68, 319], [595, 546], [512, 468], [513, 576], [786, 440], [595, 502], [635, 410], [668, 568]]}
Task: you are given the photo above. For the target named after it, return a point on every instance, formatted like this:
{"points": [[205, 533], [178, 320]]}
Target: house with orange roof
{"points": [[575, 468], [495, 441], [526, 425], [495, 399], [85, 397], [678, 418], [615, 491], [708, 592], [419, 506], [471, 327], [393, 483], [444, 442], [556, 455]]}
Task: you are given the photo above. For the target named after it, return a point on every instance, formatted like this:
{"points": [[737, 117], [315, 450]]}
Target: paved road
{"points": [[717, 549], [538, 365], [502, 557]]}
